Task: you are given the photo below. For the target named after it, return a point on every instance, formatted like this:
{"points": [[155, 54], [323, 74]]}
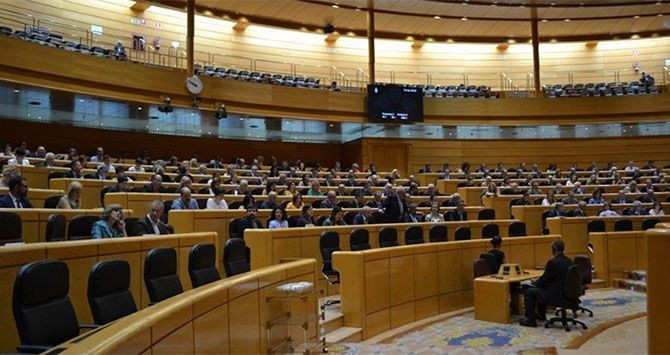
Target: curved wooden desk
{"points": [[658, 289]]}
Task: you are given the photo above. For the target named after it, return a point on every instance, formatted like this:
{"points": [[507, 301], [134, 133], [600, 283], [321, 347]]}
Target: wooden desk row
{"points": [[575, 235], [383, 289], [34, 220], [616, 252], [269, 246], [80, 256]]}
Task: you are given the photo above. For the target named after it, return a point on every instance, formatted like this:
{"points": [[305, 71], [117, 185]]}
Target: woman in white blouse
{"points": [[434, 215], [217, 202], [278, 219], [656, 209]]}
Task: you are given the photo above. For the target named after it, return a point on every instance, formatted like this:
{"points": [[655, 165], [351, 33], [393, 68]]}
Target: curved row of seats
{"points": [[600, 89], [620, 225]]}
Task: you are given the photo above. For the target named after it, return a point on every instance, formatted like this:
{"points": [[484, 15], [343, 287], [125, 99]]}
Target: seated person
{"points": [[156, 185], [335, 218], [523, 201], [358, 201], [570, 199], [330, 201], [411, 216], [341, 190], [558, 211], [217, 202], [636, 210], [548, 289], [49, 161], [249, 221], [296, 202], [271, 202], [656, 209], [497, 253], [578, 189], [454, 200], [607, 211], [459, 213], [579, 211], [19, 158], [431, 191], [138, 166], [549, 199], [597, 197], [72, 198], [121, 185], [512, 190], [377, 201], [278, 219], [151, 223], [17, 194], [185, 202], [306, 217], [315, 190], [621, 198], [434, 215], [111, 223], [363, 217], [75, 170], [648, 197]]}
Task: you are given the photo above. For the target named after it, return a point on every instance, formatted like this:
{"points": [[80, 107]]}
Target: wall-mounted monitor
{"points": [[390, 103]]}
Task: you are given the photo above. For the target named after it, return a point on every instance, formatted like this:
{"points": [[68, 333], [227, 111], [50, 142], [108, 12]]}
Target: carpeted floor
{"points": [[464, 335]]}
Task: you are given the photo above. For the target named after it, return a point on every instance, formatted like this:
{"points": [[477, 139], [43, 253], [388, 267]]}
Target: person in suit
{"points": [[579, 211], [151, 223], [377, 201], [411, 216], [570, 199], [548, 289], [649, 197], [271, 202], [558, 210], [621, 198], [336, 218], [121, 185], [330, 201], [306, 217], [497, 253], [363, 217], [426, 169], [185, 202], [249, 221], [459, 213], [75, 170], [358, 201], [454, 200], [523, 201], [17, 195], [156, 185], [394, 207], [101, 173]]}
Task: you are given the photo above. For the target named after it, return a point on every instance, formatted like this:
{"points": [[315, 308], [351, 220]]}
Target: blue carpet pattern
{"points": [[465, 335]]}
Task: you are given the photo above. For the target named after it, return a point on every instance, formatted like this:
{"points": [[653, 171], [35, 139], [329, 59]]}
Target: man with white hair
{"points": [[330, 201], [271, 202], [49, 161], [394, 205]]}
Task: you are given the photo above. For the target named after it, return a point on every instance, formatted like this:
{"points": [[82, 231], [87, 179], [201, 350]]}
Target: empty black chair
{"points": [[233, 228], [481, 268], [109, 291], [572, 289], [596, 225], [236, 257], [320, 220], [388, 237], [437, 233], [130, 224], [517, 229], [202, 203], [462, 233], [329, 242], [42, 309], [349, 217], [490, 231], [377, 217], [623, 225], [317, 203], [544, 217], [490, 262], [80, 227], [202, 265], [52, 201], [359, 239], [487, 214], [55, 229], [650, 223], [103, 192], [160, 274], [234, 205], [55, 175], [413, 235], [585, 266], [293, 221], [10, 228]]}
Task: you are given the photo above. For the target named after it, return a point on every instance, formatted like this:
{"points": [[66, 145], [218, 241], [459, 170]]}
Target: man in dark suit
{"points": [[250, 221], [579, 211], [558, 211], [394, 207], [75, 170], [621, 198], [151, 223], [459, 213], [548, 288], [156, 185], [363, 217], [18, 190], [411, 216]]}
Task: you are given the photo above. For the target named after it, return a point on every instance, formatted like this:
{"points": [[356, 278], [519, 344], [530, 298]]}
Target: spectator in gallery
{"points": [[336, 218], [17, 196], [217, 202], [434, 215], [306, 217], [249, 221], [278, 219], [296, 202], [185, 202]]}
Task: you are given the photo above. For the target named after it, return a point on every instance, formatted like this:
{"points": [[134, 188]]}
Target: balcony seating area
{"points": [[599, 89]]}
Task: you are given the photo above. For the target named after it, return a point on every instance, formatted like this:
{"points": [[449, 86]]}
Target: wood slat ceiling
{"points": [[487, 20]]}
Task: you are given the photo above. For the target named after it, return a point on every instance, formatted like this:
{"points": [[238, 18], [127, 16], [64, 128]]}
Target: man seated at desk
{"points": [[548, 289]]}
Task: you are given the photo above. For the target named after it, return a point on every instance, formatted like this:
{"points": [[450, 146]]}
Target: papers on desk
{"points": [[527, 284]]}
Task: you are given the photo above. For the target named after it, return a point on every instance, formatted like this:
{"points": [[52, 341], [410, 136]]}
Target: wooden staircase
{"points": [[635, 280], [333, 327]]}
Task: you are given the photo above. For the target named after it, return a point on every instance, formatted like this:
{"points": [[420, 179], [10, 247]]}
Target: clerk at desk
{"points": [[548, 289]]}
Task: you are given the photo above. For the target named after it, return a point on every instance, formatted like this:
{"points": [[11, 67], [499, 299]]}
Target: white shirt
{"points": [[15, 201], [155, 225], [545, 202], [212, 205], [132, 168], [654, 213], [110, 168], [13, 161]]}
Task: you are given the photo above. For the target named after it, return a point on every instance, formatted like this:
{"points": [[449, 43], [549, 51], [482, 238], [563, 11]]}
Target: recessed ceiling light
{"points": [[544, 20], [464, 18], [39, 118], [437, 17], [331, 125], [335, 6], [567, 20], [636, 16], [358, 9], [81, 100], [139, 108], [16, 90]]}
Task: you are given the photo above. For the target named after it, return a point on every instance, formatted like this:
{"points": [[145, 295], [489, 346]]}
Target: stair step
{"points": [[635, 285], [636, 274], [334, 320], [597, 283], [344, 334]]}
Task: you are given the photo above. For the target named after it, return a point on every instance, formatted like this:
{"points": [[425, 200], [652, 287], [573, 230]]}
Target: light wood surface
{"points": [[658, 290], [492, 295], [616, 252], [382, 289], [81, 256], [37, 196]]}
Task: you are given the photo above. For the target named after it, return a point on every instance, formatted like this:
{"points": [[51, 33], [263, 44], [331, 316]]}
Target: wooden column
{"points": [[190, 33], [371, 40], [536, 48]]}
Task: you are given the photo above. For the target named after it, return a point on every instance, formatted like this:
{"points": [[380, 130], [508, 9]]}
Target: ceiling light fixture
{"points": [[437, 17], [464, 18], [335, 6]]}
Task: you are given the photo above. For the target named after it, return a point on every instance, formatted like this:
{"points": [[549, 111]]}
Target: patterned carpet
{"points": [[464, 335]]}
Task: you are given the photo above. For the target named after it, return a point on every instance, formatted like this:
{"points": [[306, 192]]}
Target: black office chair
{"points": [[293, 221], [42, 309], [650, 223], [595, 225], [517, 229], [329, 242], [80, 227], [109, 291], [481, 268], [462, 233], [235, 205], [167, 206], [160, 274], [130, 224], [544, 217], [349, 217], [202, 203], [490, 262], [486, 214], [585, 266], [103, 192], [55, 175], [10, 228], [413, 235], [233, 228], [388, 237], [377, 217], [202, 265], [236, 257], [438, 233], [490, 231], [623, 225], [359, 239], [55, 230], [317, 203], [320, 220], [572, 289], [52, 201]]}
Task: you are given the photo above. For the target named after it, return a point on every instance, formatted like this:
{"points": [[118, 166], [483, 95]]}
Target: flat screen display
{"points": [[395, 104]]}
